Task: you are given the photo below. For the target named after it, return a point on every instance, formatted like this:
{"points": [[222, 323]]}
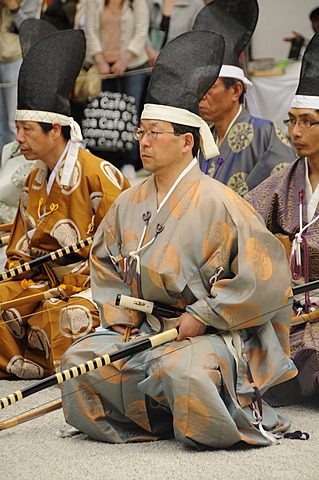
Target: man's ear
{"points": [[56, 130], [237, 90], [188, 142]]}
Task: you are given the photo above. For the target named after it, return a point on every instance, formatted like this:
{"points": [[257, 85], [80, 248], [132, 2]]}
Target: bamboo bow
{"points": [[25, 267]]}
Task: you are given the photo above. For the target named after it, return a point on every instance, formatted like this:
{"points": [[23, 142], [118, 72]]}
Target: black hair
{"points": [[181, 129], [66, 130], [228, 82], [314, 15]]}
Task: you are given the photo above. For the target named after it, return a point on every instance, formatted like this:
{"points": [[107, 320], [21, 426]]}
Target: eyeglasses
{"points": [[138, 134], [292, 122]]}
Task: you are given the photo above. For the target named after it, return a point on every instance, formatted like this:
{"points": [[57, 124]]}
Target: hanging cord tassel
{"points": [[257, 409], [134, 255], [295, 259]]}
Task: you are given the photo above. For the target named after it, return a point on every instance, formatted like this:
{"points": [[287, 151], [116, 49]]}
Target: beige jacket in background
{"points": [[134, 29]]}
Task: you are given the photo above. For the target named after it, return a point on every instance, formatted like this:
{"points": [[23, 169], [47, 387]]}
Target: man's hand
{"points": [[121, 329], [189, 326]]}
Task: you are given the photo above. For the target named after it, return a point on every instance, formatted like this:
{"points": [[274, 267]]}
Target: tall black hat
{"points": [[46, 78], [236, 21], [31, 30], [184, 71], [307, 93]]}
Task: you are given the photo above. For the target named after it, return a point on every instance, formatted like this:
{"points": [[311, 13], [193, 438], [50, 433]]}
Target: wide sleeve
{"points": [[107, 274], [258, 283]]}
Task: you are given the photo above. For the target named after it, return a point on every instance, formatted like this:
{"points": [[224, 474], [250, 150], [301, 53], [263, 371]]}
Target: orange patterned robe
{"points": [[196, 390], [34, 336]]}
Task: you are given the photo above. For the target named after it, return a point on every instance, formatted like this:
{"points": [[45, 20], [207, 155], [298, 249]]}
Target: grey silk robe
{"points": [[196, 390]]}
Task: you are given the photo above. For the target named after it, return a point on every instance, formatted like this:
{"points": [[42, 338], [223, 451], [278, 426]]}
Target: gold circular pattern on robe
{"points": [[22, 245], [282, 137], [217, 244], [66, 232], [14, 322], [237, 182], [261, 366], [190, 415], [75, 178], [221, 284], [129, 242], [240, 136], [163, 361], [282, 332], [136, 411], [211, 367], [75, 321], [115, 315], [279, 167], [244, 314], [247, 209], [112, 173], [142, 191], [226, 371], [164, 266], [39, 340], [24, 368], [258, 258], [287, 294], [89, 404], [39, 178], [184, 199], [109, 223], [95, 200], [116, 372]]}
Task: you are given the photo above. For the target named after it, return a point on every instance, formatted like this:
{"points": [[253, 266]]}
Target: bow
{"points": [[134, 347], [25, 267], [62, 290], [57, 378]]}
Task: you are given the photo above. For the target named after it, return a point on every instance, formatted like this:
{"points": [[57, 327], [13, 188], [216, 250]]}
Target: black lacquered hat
{"points": [[46, 78], [31, 30], [236, 21], [307, 93], [184, 71]]}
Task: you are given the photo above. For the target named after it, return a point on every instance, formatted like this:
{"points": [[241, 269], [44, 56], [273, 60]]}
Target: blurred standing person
{"points": [[12, 14], [79, 19], [116, 32], [168, 19]]}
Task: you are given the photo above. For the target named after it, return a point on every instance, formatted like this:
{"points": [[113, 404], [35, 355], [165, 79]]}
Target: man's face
{"points": [[216, 102], [315, 25], [34, 143], [305, 140], [162, 154]]}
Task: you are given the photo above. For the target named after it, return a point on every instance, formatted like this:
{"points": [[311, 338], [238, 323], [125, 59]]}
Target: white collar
{"points": [[55, 170], [231, 123], [181, 176]]}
